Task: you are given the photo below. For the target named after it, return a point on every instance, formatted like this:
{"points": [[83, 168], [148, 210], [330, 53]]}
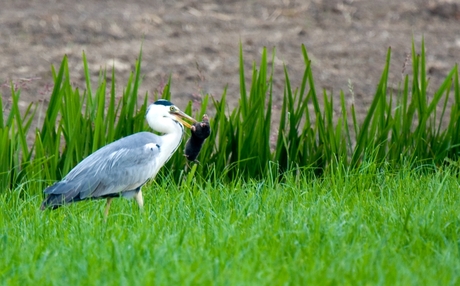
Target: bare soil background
{"points": [[197, 42]]}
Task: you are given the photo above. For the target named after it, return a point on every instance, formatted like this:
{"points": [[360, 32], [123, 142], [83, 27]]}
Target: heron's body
{"points": [[122, 167]]}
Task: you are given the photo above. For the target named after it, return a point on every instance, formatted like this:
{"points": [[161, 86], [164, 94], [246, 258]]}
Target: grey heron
{"points": [[122, 167]]}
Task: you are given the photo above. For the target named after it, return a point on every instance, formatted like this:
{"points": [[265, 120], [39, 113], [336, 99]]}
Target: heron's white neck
{"points": [[169, 143]]}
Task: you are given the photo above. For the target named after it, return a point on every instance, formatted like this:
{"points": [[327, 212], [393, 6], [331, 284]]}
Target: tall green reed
{"points": [[406, 125], [75, 124], [15, 153], [398, 127]]}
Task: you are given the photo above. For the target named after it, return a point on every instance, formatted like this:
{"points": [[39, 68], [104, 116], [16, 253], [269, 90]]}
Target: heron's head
{"points": [[165, 117]]}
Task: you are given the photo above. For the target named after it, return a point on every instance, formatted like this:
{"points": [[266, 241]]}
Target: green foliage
{"points": [[398, 128], [407, 125], [255, 210], [15, 154], [365, 226], [75, 124]]}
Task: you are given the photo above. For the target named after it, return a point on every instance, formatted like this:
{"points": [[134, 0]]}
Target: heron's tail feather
{"points": [[59, 194], [54, 201]]}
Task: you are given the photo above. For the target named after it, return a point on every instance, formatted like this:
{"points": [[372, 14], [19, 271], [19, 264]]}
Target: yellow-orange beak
{"points": [[181, 117]]}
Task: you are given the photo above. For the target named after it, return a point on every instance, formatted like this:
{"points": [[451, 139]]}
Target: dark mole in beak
{"points": [[200, 131]]}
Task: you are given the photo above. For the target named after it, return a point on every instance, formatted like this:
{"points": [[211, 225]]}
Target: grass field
{"points": [[322, 198], [372, 227]]}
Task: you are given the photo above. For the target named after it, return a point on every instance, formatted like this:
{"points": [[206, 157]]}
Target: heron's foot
{"points": [[107, 208]]}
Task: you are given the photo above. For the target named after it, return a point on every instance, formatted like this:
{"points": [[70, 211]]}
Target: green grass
{"points": [[370, 227], [319, 199]]}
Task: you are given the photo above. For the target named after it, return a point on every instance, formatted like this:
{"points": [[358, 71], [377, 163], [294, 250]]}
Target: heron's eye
{"points": [[172, 109]]}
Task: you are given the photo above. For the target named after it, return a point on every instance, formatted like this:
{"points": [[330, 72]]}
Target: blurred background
{"points": [[197, 42]]}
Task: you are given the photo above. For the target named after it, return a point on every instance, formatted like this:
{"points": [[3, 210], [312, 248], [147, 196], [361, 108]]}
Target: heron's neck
{"points": [[169, 144]]}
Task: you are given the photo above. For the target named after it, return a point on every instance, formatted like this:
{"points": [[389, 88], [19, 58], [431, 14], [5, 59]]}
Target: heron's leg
{"points": [[107, 207], [139, 199]]}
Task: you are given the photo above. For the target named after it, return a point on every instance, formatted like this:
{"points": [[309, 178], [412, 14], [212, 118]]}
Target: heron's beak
{"points": [[181, 117]]}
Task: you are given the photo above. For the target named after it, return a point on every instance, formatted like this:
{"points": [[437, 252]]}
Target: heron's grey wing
{"points": [[120, 166]]}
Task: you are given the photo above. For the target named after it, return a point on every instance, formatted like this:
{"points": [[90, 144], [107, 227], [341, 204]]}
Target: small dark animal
{"points": [[200, 131]]}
